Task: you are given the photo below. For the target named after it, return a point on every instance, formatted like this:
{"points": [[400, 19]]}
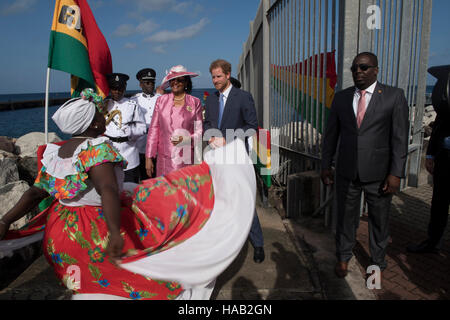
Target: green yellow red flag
{"points": [[300, 86], [262, 147], [78, 47]]}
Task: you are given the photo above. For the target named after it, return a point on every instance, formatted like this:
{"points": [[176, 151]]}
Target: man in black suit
{"points": [[437, 163], [232, 109], [371, 122]]}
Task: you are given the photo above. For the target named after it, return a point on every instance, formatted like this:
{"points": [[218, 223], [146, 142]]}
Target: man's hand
{"points": [[392, 184], [216, 142], [327, 176], [429, 165]]}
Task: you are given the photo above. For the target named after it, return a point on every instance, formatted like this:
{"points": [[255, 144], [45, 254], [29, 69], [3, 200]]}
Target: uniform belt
{"points": [[118, 139]]}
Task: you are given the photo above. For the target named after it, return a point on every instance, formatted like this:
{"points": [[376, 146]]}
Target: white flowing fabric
{"points": [[198, 261], [8, 246]]}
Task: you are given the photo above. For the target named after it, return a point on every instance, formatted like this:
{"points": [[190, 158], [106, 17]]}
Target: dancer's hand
{"points": [[114, 248]]}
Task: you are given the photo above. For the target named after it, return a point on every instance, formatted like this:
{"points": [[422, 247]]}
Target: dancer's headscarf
{"points": [[76, 115]]}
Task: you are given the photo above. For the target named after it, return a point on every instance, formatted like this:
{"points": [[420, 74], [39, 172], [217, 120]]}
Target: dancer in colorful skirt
{"points": [[167, 238]]}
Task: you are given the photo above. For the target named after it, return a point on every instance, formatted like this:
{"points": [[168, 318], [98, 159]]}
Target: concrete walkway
{"points": [[300, 260]]}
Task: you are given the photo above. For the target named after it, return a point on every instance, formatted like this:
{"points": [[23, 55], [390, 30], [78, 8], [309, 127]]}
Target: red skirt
{"points": [[161, 213]]}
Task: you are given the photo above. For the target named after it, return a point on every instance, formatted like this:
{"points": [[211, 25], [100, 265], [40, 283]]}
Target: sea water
{"points": [[16, 123]]}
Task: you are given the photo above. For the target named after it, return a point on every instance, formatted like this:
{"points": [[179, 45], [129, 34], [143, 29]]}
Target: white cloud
{"points": [[180, 7], [146, 27], [130, 45], [18, 6], [160, 49], [124, 30], [183, 33]]}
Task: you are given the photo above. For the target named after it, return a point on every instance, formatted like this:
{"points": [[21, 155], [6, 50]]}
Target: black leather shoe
{"points": [[423, 247], [258, 255]]}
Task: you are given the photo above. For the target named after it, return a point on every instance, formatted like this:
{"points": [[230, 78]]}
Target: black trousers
{"points": [[349, 203], [441, 199], [132, 175]]}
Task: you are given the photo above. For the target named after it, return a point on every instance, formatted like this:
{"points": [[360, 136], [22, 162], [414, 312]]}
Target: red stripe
{"points": [[99, 54], [266, 143], [330, 71]]}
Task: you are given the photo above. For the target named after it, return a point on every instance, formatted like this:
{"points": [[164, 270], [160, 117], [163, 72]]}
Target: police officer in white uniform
{"points": [[127, 124], [146, 100]]}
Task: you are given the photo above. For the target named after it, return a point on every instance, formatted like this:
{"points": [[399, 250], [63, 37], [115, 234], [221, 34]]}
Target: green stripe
{"points": [[69, 55], [303, 103], [267, 179]]}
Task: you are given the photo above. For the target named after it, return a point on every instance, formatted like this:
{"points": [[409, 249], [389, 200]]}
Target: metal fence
{"points": [[293, 48]]}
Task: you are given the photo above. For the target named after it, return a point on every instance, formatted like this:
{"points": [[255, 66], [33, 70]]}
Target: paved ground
{"points": [[300, 259], [410, 276]]}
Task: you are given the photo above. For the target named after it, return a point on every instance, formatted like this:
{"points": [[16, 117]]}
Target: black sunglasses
{"points": [[362, 66]]}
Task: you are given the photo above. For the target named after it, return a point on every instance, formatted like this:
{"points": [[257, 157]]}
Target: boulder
{"points": [[5, 154], [8, 170], [28, 169], [29, 143], [9, 196], [7, 144]]}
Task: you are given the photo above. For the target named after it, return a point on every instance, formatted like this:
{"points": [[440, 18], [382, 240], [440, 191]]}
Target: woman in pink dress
{"points": [[176, 126]]}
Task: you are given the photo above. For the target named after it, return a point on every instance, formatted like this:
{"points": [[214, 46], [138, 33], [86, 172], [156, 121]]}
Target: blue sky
{"points": [[149, 33]]}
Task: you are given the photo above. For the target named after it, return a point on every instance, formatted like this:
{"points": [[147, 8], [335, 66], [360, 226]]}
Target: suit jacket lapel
{"points": [[214, 111], [228, 106], [372, 104], [348, 103]]}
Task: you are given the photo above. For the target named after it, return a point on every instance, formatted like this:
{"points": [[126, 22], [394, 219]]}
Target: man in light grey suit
{"points": [[371, 122]]}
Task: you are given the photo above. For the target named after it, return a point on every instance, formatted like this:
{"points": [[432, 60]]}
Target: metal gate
{"points": [[299, 53]]}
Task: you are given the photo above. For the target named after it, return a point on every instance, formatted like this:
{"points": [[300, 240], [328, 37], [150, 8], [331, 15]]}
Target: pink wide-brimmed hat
{"points": [[176, 72]]}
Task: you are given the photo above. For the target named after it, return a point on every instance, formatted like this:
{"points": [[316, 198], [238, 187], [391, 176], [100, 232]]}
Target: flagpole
{"points": [[47, 85]]}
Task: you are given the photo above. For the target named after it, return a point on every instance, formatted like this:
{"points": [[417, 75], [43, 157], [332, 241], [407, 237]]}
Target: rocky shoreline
{"points": [[18, 169]]}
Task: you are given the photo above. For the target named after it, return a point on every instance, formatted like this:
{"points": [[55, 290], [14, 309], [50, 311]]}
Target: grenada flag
{"points": [[262, 146], [78, 47], [297, 84]]}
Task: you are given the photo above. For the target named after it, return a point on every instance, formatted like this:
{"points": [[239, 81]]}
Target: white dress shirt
{"points": [[357, 95], [147, 104], [225, 94]]}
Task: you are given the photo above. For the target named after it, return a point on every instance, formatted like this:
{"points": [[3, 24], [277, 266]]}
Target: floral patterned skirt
{"points": [[161, 213]]}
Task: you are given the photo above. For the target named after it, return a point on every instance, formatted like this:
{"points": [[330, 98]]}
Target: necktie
{"points": [[361, 108], [221, 107]]}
